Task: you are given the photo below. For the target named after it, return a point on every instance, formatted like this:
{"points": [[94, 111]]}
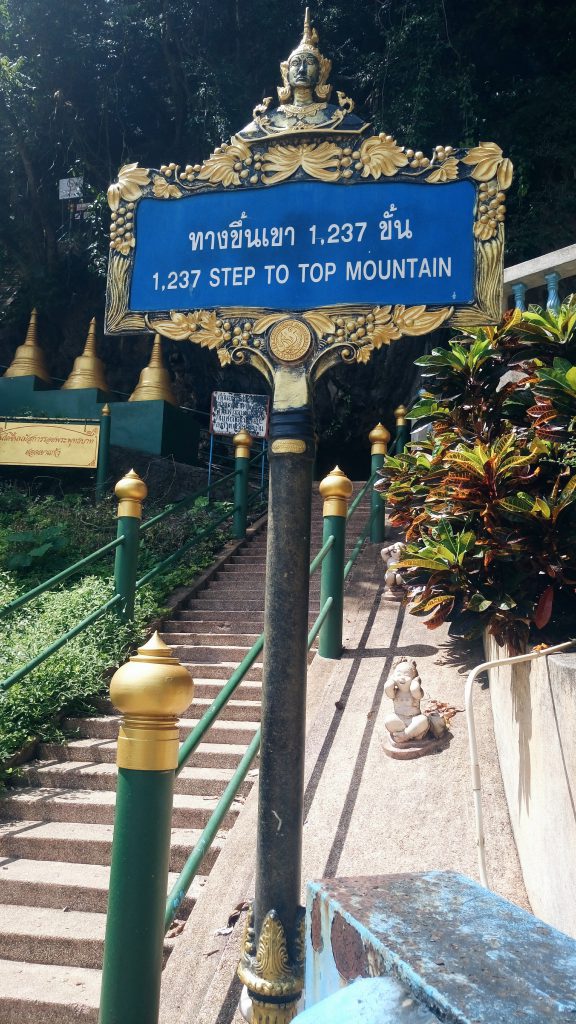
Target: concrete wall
{"points": [[534, 707]]}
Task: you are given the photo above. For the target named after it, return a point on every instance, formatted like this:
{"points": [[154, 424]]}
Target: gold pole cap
{"points": [[152, 683], [336, 489], [400, 414], [105, 411], [242, 444], [150, 690], [379, 438], [130, 491]]}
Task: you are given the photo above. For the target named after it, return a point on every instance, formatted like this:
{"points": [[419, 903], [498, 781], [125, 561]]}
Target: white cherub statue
{"points": [[404, 688], [391, 554]]}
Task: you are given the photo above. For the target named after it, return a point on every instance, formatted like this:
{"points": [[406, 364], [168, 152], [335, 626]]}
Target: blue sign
{"points": [[305, 245]]}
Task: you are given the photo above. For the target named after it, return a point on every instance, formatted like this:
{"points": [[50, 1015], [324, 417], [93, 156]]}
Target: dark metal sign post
{"points": [[304, 241]]}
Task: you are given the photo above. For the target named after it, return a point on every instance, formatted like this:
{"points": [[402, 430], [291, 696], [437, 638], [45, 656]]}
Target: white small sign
{"points": [[70, 188], [232, 412]]}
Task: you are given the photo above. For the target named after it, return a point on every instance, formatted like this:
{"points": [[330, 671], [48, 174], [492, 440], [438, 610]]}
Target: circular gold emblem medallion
{"points": [[290, 340]]}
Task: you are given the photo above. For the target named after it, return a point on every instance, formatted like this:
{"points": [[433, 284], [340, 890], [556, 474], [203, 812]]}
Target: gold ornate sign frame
{"points": [[313, 141]]}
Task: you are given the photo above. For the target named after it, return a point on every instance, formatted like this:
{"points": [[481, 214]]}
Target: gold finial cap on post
{"points": [[131, 492], [400, 414], [151, 690], [29, 359], [88, 370], [242, 442], [105, 411], [379, 438], [154, 381], [336, 489]]}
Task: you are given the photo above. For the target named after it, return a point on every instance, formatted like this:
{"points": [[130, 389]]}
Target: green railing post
{"points": [[242, 445], [151, 690], [336, 489], [379, 438], [402, 429], [102, 469], [130, 491]]}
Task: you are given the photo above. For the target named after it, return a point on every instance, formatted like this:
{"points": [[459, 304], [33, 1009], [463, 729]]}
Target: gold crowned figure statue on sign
{"points": [[304, 96]]}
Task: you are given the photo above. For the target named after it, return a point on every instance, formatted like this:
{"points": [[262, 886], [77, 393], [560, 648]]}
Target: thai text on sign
{"points": [[232, 412], [304, 245], [26, 443]]}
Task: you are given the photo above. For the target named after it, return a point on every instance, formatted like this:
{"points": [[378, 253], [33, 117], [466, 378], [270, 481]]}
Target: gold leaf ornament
{"points": [[131, 182], [447, 171], [418, 320], [163, 189], [385, 329], [488, 162], [319, 161], [363, 354], [202, 327], [381, 156], [223, 166]]}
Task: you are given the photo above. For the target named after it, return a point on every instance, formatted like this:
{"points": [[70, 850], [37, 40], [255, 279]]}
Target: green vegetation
{"points": [[75, 679], [488, 500]]}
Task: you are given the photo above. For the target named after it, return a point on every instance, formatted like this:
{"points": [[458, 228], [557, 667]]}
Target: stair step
{"points": [[88, 776], [233, 604], [97, 807], [48, 936], [222, 670], [174, 633], [52, 994], [186, 648], [106, 727], [98, 751], [64, 884], [210, 688], [235, 710], [87, 843]]}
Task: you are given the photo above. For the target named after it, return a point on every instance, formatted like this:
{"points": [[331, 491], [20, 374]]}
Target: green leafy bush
{"points": [[74, 679], [488, 500]]}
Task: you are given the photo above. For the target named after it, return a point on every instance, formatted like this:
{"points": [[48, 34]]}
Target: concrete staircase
{"points": [[56, 822]]}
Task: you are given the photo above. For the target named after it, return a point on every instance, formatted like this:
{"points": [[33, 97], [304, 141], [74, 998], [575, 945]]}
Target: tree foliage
{"points": [[89, 85]]}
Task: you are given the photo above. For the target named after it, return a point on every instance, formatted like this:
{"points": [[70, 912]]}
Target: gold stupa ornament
{"points": [[88, 370], [29, 359], [154, 383]]}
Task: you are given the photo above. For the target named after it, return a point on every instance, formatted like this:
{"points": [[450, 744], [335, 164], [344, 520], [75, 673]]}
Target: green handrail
{"points": [[359, 496], [318, 624], [59, 577], [190, 869], [176, 555], [319, 558], [192, 741], [358, 545], [57, 644], [184, 502]]}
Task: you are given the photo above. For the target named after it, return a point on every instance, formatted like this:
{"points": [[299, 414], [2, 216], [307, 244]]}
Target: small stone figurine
{"points": [[404, 688], [391, 554], [411, 732]]}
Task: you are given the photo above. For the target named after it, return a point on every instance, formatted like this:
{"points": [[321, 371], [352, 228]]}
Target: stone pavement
{"points": [[365, 814]]}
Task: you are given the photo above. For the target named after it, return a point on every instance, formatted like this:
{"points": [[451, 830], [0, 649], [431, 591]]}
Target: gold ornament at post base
{"points": [[131, 492], [29, 359], [151, 690], [242, 442], [154, 383], [336, 489], [88, 370], [379, 438], [400, 414], [274, 981]]}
